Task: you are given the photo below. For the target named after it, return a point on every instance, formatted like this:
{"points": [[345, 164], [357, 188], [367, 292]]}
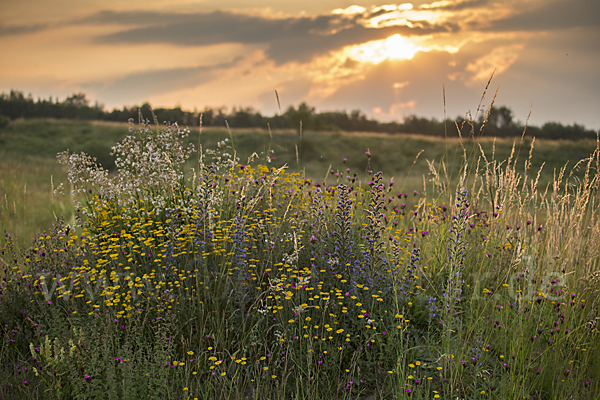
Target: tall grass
{"points": [[246, 279], [28, 151], [29, 204]]}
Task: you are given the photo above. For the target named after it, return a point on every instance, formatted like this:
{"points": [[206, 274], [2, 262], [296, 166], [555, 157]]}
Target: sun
{"points": [[398, 48], [394, 47]]}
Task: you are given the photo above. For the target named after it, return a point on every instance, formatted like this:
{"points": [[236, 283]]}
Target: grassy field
{"points": [[460, 279], [246, 280], [29, 172]]}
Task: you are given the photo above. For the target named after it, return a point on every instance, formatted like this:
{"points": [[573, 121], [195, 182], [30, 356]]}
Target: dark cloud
{"points": [[21, 29], [286, 39], [130, 18], [220, 27], [304, 47], [138, 87], [426, 72], [460, 5], [560, 86], [553, 15]]}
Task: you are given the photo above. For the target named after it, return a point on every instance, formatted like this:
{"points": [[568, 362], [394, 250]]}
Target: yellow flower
{"points": [[191, 353], [223, 373], [185, 389]]}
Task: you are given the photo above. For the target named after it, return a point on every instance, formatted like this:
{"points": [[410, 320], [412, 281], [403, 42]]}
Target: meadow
{"points": [[281, 264], [29, 173]]}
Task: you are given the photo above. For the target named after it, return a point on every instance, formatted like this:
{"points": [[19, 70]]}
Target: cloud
{"points": [[497, 61], [285, 40], [158, 55], [457, 5], [21, 29], [421, 80], [552, 15], [396, 111], [137, 87]]}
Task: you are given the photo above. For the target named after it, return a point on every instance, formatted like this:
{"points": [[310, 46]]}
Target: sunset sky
{"points": [[389, 60]]}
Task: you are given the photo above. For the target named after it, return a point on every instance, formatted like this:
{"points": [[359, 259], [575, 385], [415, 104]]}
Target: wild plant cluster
{"points": [[242, 280]]}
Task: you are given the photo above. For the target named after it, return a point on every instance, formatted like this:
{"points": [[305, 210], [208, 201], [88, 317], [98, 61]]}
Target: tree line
{"points": [[498, 122]]}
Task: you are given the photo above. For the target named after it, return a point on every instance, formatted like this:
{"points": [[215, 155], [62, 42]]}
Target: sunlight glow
{"points": [[395, 47], [352, 10], [398, 47]]}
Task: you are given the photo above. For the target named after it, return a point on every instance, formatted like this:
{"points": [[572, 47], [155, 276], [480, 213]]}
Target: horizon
{"points": [[231, 110], [387, 60]]}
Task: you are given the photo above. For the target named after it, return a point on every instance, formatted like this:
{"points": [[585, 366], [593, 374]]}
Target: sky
{"points": [[427, 58]]}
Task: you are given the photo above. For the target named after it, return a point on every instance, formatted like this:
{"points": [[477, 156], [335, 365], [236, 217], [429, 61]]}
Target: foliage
{"points": [[247, 280]]}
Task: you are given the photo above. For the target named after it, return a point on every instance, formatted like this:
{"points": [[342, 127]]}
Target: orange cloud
{"points": [[497, 60]]}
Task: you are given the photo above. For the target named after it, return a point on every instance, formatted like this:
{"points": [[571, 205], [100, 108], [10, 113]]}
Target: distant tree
{"points": [[219, 117], [423, 126], [304, 113], [241, 118], [499, 122], [76, 100]]}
